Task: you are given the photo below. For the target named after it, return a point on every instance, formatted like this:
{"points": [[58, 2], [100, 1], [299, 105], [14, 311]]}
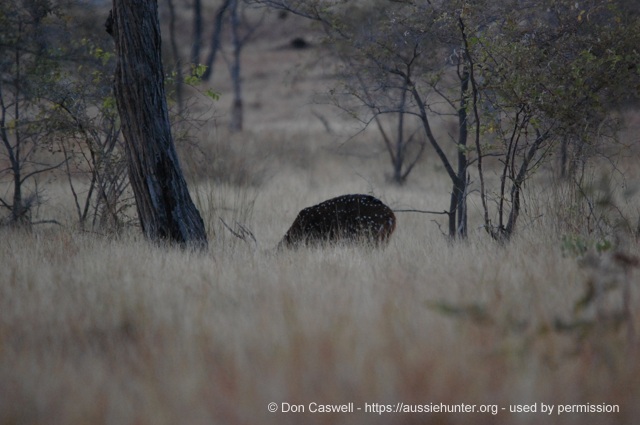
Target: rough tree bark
{"points": [[165, 208]]}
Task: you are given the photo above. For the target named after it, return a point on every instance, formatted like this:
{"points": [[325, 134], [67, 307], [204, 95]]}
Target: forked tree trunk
{"points": [[165, 208]]}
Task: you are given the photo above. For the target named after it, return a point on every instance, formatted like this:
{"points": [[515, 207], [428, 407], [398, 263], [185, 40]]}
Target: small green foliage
{"points": [[195, 77], [577, 246], [109, 104], [214, 95], [574, 246], [474, 312], [466, 149], [603, 245]]}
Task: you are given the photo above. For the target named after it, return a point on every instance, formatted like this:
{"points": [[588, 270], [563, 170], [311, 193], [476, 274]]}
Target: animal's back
{"points": [[350, 218]]}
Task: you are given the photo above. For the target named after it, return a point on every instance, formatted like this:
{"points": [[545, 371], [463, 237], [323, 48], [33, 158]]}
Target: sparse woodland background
{"points": [[514, 123]]}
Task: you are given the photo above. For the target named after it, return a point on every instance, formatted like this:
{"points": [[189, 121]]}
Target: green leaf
{"points": [[213, 94]]}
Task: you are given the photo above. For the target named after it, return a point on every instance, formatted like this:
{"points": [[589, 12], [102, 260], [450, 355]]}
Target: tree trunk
{"points": [[460, 187], [197, 33], [400, 145], [215, 40], [176, 55], [236, 111], [165, 208]]}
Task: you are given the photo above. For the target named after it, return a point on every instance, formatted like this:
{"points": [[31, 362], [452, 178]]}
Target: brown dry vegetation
{"points": [[116, 331]]}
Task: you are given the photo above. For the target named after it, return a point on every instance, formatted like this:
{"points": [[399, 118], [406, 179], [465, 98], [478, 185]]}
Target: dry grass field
{"points": [[97, 329]]}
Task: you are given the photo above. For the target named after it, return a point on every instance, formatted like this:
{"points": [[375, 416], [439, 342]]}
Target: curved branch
{"points": [[427, 128]]}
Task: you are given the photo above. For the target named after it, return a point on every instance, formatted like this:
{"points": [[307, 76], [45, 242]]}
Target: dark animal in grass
{"points": [[360, 219]]}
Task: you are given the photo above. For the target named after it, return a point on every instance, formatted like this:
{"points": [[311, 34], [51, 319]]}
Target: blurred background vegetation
{"points": [[493, 94]]}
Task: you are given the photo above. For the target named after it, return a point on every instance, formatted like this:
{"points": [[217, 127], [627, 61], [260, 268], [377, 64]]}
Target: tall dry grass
{"points": [[116, 331]]}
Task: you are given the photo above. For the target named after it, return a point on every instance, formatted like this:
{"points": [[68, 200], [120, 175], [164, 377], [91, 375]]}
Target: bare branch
{"points": [[423, 211]]}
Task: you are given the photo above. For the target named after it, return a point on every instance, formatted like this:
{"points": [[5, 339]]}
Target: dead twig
{"points": [[242, 232]]}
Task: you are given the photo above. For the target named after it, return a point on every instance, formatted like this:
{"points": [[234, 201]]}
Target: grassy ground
{"points": [[113, 330]]}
